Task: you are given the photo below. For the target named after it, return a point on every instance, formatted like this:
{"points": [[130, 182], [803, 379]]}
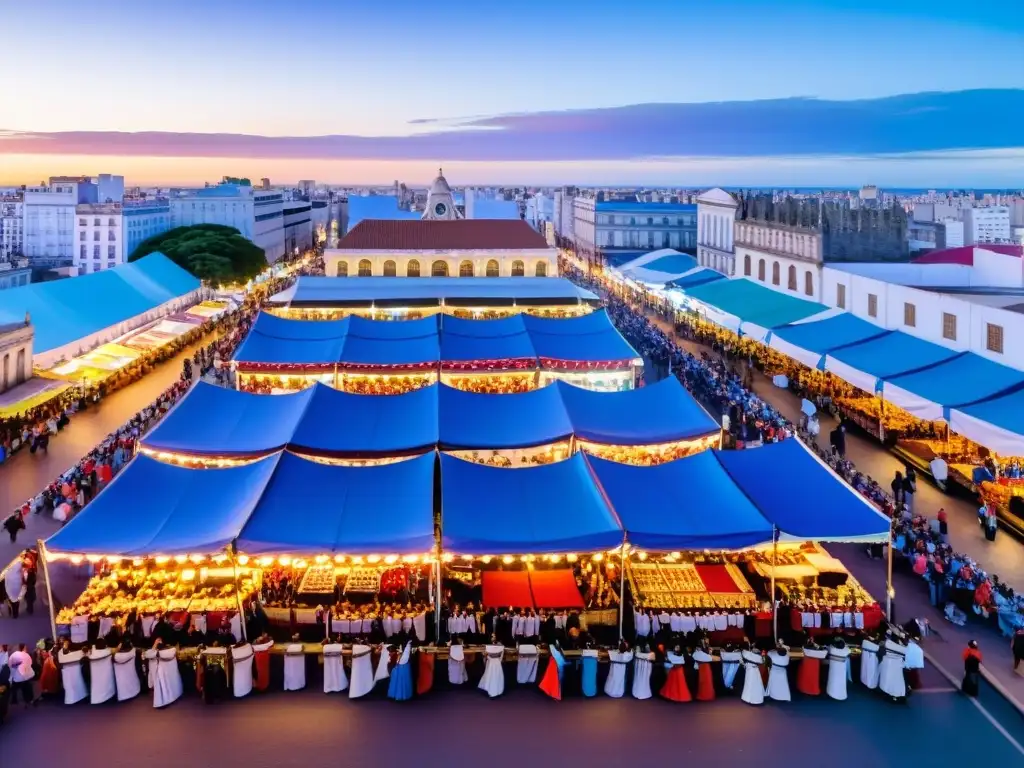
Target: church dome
{"points": [[440, 185]]}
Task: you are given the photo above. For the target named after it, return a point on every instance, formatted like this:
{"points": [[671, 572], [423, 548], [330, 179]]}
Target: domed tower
{"points": [[440, 201]]}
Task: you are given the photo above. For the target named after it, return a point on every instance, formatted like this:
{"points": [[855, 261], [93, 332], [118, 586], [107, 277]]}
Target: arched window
{"points": [[365, 268], [809, 283], [518, 268], [412, 269], [760, 270], [746, 265], [342, 269], [791, 278], [776, 273], [439, 268], [492, 268], [390, 268], [542, 269], [466, 269]]}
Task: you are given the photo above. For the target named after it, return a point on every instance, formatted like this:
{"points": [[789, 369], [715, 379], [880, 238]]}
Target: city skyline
{"points": [[797, 93]]}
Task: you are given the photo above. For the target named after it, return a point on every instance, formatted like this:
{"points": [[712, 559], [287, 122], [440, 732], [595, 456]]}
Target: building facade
{"points": [[716, 219], [99, 237], [616, 230], [14, 274], [257, 214], [15, 354], [298, 226], [144, 219], [49, 221], [12, 227], [782, 257], [986, 225]]}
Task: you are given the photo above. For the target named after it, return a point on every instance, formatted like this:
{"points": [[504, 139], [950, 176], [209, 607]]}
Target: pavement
{"points": [[308, 729]]}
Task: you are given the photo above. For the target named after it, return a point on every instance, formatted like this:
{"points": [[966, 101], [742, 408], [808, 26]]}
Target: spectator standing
{"points": [[1017, 646]]}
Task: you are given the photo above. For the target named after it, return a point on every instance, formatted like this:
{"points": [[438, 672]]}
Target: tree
{"points": [[211, 252]]}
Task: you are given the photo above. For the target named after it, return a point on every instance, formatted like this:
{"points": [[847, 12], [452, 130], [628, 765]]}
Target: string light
{"points": [[507, 559]]}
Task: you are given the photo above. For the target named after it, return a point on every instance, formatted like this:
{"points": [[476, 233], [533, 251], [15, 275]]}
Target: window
{"points": [[81, 222], [909, 314], [96, 235], [664, 221], [365, 268], [791, 278], [110, 223], [948, 326], [95, 222], [111, 236], [390, 268], [994, 338], [466, 269], [492, 269], [542, 269], [110, 251], [81, 236], [841, 296], [746, 265], [872, 305], [650, 221], [775, 273], [518, 268], [95, 251], [412, 269], [342, 269], [760, 270], [439, 269], [809, 283], [83, 251]]}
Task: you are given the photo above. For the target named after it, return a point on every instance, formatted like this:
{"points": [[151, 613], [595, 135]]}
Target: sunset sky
{"points": [[734, 92]]}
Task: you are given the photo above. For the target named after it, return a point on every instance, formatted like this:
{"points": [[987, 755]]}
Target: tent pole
{"points": [[238, 595], [49, 589], [437, 599], [890, 593], [622, 586], [775, 605], [881, 420]]}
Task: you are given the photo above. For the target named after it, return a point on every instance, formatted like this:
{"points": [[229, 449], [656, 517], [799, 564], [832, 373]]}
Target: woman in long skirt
{"points": [[400, 684]]}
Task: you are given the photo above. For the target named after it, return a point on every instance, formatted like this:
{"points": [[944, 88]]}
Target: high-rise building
{"points": [[256, 214], [99, 237], [986, 225], [49, 219], [12, 222], [144, 219]]}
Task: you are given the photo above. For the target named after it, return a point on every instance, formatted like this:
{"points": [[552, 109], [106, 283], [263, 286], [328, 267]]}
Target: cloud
{"points": [[804, 127]]}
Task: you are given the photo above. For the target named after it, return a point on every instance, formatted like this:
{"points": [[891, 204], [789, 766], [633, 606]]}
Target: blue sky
{"points": [[362, 69]]}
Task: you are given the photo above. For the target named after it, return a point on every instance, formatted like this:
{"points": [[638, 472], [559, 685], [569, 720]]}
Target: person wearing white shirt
{"points": [[526, 666], [615, 684], [731, 660], [643, 660], [913, 664], [126, 676], [167, 686], [838, 659], [362, 671], [101, 674], [294, 666], [383, 671], [457, 664], [869, 663], [241, 669], [753, 685], [890, 671], [493, 680], [70, 663], [778, 675], [20, 663], [335, 680]]}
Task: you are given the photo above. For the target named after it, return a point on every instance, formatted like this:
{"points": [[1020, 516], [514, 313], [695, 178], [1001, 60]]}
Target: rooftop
{"points": [[964, 255], [459, 235], [636, 206]]}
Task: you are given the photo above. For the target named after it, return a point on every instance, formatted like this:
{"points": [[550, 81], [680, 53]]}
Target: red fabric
{"points": [[808, 677], [705, 683], [675, 687], [200, 677], [914, 679], [425, 673], [717, 579], [555, 589], [550, 683], [261, 666], [49, 678], [507, 589], [764, 674]]}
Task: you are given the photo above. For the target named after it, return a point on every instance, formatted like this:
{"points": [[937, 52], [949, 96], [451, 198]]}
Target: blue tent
{"points": [[800, 495], [689, 503], [694, 278], [276, 340], [398, 342], [998, 423], [152, 508], [551, 508], [867, 363], [754, 303], [587, 338], [465, 340], [809, 342], [966, 378], [659, 413], [311, 508], [215, 421], [469, 420]]}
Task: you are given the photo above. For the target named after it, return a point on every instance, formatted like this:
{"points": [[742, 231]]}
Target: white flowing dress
{"points": [[241, 670], [167, 686], [869, 664], [294, 667], [642, 675], [335, 680], [778, 676], [493, 680], [362, 671], [731, 661], [890, 672], [71, 676], [457, 665], [526, 668], [101, 675], [753, 686], [615, 685], [837, 661], [126, 676]]}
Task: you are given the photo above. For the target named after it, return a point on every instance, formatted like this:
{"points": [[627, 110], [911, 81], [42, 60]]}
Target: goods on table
{"points": [[318, 579], [680, 586], [362, 580]]}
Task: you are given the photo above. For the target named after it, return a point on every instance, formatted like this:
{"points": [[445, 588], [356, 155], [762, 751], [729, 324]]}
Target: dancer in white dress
{"points": [[869, 663], [643, 659], [615, 685], [150, 657], [838, 658], [167, 687], [731, 660], [890, 672], [335, 680], [457, 664], [383, 671], [126, 676], [294, 666], [493, 680], [778, 675], [753, 685], [526, 667], [241, 669], [362, 671], [71, 676], [101, 674]]}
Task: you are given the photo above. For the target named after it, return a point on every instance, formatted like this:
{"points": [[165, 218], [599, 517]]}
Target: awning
{"points": [[663, 412], [464, 340], [801, 495], [866, 364], [689, 503], [966, 378], [311, 508], [997, 424], [809, 342], [545, 509], [274, 340], [152, 508], [555, 589], [470, 420], [587, 338], [390, 343], [757, 307], [696, 277], [506, 589]]}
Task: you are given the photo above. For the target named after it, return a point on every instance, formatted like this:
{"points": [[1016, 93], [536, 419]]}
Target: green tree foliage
{"points": [[211, 252]]}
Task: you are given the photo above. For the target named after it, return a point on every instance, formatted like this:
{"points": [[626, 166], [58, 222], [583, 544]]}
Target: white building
{"points": [[256, 214], [986, 225], [298, 226], [144, 219], [785, 258], [966, 299], [109, 189], [716, 218], [99, 237], [49, 218], [539, 211], [563, 213], [952, 233], [12, 223]]}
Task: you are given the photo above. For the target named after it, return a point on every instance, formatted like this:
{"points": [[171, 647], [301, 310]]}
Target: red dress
{"points": [[49, 678], [675, 687], [808, 677], [261, 666], [705, 682], [550, 683], [425, 673]]}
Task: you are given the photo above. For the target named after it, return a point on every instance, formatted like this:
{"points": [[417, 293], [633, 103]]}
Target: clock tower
{"points": [[440, 201]]}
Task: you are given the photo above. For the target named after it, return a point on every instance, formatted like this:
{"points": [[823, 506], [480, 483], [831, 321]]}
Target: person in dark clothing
{"points": [[1017, 646], [837, 439], [13, 525], [972, 669], [30, 591], [897, 487]]}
